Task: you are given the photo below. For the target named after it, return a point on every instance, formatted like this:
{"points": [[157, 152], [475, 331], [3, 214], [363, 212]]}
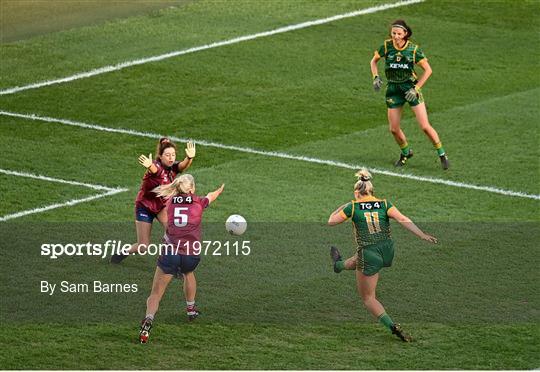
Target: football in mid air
{"points": [[236, 224]]}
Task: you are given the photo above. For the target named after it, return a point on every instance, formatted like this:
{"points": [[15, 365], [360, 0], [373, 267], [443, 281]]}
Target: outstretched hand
{"points": [[214, 194], [145, 161], [430, 238], [190, 149]]}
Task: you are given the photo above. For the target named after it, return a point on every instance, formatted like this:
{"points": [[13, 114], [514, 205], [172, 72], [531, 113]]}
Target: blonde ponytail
{"points": [[364, 185], [181, 185]]}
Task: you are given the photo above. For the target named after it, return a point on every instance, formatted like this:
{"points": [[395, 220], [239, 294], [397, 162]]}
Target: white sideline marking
{"points": [[490, 189], [59, 205], [108, 191], [120, 66], [51, 179]]}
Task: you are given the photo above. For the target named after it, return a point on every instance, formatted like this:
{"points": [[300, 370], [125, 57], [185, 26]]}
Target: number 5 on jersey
{"points": [[180, 219]]}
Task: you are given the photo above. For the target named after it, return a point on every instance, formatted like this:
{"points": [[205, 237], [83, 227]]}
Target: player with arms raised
{"points": [[183, 234], [148, 205], [375, 249]]}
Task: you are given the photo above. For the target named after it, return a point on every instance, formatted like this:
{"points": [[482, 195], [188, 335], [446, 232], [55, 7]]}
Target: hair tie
{"points": [[364, 179], [401, 26]]}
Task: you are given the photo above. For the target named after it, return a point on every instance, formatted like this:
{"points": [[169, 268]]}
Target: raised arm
{"points": [[336, 217], [214, 194], [409, 225], [190, 154], [147, 163]]}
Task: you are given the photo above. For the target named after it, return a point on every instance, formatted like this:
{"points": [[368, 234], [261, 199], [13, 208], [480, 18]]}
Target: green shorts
{"points": [[372, 258], [395, 95]]}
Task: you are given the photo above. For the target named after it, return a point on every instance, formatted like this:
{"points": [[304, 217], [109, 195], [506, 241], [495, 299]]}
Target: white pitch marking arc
{"points": [[122, 65], [490, 189], [106, 191]]}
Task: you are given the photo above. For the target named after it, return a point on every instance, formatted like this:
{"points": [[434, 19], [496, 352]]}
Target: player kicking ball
{"points": [[375, 249]]}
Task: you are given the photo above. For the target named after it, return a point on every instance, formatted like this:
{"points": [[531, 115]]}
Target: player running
{"points": [[183, 234], [148, 205], [401, 55], [375, 248]]}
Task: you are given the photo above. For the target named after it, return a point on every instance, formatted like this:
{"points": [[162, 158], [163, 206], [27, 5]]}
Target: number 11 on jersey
{"points": [[372, 222]]}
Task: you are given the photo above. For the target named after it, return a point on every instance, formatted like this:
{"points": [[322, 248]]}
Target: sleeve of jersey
{"points": [[389, 205], [347, 211], [380, 51], [205, 202], [175, 166], [159, 167], [419, 55]]}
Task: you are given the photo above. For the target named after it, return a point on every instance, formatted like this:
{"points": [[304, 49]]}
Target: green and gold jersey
{"points": [[399, 63], [369, 216]]}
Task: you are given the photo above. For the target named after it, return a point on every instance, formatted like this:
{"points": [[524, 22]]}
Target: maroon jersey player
{"points": [[185, 210], [148, 205], [184, 215]]}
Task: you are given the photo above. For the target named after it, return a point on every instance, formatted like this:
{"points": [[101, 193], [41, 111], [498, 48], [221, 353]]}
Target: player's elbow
{"points": [[404, 221], [334, 220]]}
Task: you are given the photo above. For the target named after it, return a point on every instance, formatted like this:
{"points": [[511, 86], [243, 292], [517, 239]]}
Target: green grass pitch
{"points": [[471, 302]]}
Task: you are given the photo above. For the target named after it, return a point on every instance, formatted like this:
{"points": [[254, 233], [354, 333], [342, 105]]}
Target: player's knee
{"points": [[426, 128], [367, 299], [394, 129]]}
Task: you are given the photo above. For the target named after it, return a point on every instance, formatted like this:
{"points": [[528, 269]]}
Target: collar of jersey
{"points": [[404, 46], [366, 199]]}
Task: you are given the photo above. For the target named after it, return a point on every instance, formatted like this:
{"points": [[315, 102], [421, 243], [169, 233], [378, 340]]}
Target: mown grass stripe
{"points": [[276, 154], [122, 65]]}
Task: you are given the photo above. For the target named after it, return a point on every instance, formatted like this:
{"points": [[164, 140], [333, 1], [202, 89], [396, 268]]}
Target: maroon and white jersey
{"points": [[163, 176], [184, 213]]}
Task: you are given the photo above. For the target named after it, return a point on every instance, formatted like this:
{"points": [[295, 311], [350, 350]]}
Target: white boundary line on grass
{"points": [[51, 179], [107, 192], [122, 65], [490, 189]]}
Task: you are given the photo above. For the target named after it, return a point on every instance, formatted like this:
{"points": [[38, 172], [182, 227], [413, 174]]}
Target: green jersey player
{"points": [[375, 249], [401, 56]]}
